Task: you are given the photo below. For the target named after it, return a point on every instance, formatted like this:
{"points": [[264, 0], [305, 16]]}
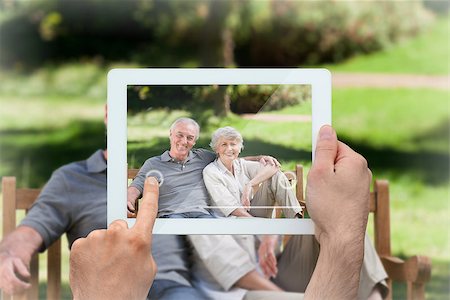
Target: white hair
{"points": [[186, 121], [228, 133]]}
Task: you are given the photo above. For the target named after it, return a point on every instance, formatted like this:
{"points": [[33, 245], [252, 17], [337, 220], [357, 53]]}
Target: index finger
{"points": [[148, 209]]}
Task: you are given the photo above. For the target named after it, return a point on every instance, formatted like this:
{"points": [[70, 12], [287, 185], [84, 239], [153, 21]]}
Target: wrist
{"points": [[342, 234], [9, 253], [240, 212], [350, 246], [270, 240]]}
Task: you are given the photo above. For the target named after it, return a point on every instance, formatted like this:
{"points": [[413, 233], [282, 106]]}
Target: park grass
{"points": [[39, 134], [399, 118], [426, 54], [39, 112], [408, 119], [72, 80]]}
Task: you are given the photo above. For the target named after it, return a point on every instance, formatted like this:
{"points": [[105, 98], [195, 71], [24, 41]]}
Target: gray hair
{"points": [[228, 133], [186, 121]]}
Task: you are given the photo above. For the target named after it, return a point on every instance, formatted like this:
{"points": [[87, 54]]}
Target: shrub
{"points": [[203, 32], [290, 33], [243, 98], [254, 98]]}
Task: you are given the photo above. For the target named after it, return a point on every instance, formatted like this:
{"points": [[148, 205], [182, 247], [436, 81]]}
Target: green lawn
{"points": [[424, 54]]}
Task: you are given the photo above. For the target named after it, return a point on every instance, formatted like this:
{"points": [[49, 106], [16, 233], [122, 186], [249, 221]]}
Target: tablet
{"points": [[142, 105]]}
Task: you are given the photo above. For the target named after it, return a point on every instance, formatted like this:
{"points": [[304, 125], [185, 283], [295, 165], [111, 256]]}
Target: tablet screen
{"points": [[204, 144]]}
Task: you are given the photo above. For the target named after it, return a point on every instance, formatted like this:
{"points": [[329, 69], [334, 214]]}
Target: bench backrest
{"points": [[15, 199], [21, 199]]}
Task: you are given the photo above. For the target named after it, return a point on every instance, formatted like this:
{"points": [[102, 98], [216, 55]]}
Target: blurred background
{"points": [[389, 61]]}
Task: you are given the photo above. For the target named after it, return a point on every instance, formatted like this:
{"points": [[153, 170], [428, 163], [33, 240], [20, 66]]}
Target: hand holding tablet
{"points": [[337, 194], [339, 179]]}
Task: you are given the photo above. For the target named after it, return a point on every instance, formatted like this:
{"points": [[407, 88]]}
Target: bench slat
{"points": [[372, 202], [26, 197]]}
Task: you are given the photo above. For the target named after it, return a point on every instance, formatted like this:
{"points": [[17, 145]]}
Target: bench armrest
{"points": [[416, 269]]}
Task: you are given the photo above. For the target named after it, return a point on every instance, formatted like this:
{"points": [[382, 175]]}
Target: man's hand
{"points": [[337, 198], [132, 197], [131, 208], [338, 188], [266, 254], [16, 250], [14, 274], [116, 263]]}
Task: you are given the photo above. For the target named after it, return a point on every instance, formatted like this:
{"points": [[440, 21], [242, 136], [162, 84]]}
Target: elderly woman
{"points": [[238, 186]]}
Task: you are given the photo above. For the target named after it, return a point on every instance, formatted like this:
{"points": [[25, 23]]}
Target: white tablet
{"points": [[143, 103]]}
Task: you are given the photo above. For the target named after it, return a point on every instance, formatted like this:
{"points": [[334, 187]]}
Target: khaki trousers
{"points": [[298, 260], [278, 190]]}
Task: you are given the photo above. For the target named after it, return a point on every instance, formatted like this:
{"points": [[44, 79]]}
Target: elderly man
{"points": [[181, 168]]}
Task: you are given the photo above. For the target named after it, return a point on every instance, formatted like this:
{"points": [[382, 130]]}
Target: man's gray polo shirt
{"points": [[182, 189], [73, 201]]}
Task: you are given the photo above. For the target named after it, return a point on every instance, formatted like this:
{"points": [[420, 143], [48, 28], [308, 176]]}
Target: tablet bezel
{"points": [[120, 79]]}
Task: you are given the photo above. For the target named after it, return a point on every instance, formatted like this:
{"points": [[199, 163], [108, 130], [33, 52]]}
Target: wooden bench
{"points": [[415, 271]]}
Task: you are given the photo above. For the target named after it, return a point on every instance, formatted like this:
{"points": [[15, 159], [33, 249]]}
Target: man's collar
{"points": [[96, 163], [166, 156]]}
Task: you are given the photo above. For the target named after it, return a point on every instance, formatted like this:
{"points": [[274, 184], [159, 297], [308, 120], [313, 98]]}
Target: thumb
{"points": [[326, 149], [21, 269]]}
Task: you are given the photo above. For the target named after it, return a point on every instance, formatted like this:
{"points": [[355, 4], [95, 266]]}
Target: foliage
{"points": [[149, 32], [255, 98], [244, 98], [40, 31], [201, 33], [289, 33]]}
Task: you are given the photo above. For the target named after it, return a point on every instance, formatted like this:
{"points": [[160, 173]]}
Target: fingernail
{"points": [[152, 181], [326, 132]]}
